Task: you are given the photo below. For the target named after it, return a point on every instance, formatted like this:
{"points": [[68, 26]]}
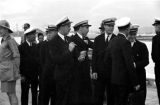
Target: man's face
{"points": [[109, 28], [25, 27], [40, 38], [132, 36], [85, 30], [66, 29], [32, 37], [2, 31], [51, 34], [157, 28]]}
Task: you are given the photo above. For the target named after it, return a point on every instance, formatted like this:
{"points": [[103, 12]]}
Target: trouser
{"points": [[143, 88], [103, 90], [157, 80], [47, 91], [141, 97], [63, 93], [25, 85], [120, 94]]}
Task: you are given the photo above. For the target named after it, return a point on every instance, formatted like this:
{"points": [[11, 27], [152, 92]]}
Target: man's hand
{"points": [[82, 56], [137, 87], [71, 46], [95, 76], [134, 65], [86, 41]]}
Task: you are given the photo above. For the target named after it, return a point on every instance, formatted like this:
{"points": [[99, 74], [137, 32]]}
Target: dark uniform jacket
{"points": [[156, 55], [123, 71], [28, 60], [43, 51], [62, 59], [141, 59], [63, 62], [81, 86], [156, 49], [100, 45]]}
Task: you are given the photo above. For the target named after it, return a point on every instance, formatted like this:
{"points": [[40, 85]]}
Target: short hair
{"points": [[27, 24]]}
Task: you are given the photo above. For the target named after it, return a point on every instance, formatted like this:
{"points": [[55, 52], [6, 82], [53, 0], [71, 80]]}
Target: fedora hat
{"points": [[5, 24]]}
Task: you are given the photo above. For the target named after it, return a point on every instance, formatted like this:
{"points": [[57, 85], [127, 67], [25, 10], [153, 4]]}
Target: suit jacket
{"points": [[120, 52], [81, 86], [156, 49], [46, 66], [100, 45], [141, 59], [28, 60], [43, 48], [61, 59]]}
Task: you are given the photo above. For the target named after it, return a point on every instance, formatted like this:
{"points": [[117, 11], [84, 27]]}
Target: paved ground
{"points": [[151, 96]]}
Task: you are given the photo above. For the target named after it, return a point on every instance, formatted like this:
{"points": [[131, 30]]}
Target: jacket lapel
{"points": [[61, 42], [79, 40]]}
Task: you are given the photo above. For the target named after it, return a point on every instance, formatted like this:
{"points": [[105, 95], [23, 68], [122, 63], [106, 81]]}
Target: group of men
{"points": [[61, 66]]}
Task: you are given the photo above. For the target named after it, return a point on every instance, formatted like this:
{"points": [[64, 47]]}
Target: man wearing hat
{"points": [[47, 84], [140, 58], [9, 62], [25, 27], [61, 55], [123, 73], [156, 53], [101, 75], [82, 91], [29, 67], [101, 28]]}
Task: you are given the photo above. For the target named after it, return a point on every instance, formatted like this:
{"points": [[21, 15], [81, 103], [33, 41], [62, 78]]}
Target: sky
{"points": [[40, 13]]}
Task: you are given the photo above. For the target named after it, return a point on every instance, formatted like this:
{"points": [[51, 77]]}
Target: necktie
{"points": [[107, 40], [84, 38], [65, 39]]}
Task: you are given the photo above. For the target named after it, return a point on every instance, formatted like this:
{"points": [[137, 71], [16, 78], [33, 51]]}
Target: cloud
{"points": [[40, 13], [14, 6]]}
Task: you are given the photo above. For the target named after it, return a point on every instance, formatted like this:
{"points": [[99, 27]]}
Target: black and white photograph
{"points": [[79, 52]]}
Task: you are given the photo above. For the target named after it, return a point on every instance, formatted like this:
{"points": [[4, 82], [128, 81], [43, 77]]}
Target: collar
{"points": [[132, 43], [109, 36], [28, 43], [123, 34], [62, 36], [6, 37], [80, 35]]}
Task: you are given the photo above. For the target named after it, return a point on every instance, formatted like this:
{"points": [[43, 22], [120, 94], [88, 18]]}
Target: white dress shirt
{"points": [[29, 43], [109, 36], [62, 36], [80, 35]]}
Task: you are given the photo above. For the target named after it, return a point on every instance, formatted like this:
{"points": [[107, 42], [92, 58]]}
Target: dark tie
{"points": [[107, 40], [84, 38], [65, 39]]}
